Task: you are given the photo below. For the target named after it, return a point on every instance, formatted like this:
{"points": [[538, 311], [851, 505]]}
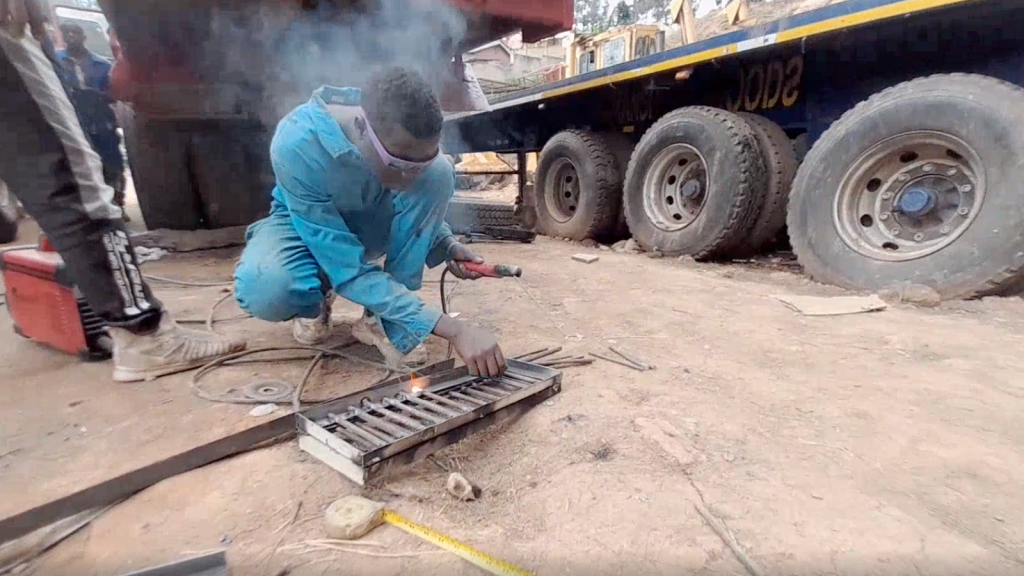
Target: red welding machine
{"points": [[46, 307]]}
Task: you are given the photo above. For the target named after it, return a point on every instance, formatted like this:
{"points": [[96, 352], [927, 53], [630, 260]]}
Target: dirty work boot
{"points": [[168, 350], [369, 331], [314, 331]]}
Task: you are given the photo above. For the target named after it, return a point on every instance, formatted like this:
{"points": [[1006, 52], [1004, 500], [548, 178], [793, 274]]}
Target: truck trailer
{"points": [[883, 138]]}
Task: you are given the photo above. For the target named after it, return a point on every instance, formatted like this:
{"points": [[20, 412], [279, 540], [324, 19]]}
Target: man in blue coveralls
{"points": [[360, 176]]}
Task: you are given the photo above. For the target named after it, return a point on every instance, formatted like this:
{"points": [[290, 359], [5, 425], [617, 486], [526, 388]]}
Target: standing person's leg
{"points": [[51, 167], [419, 217]]}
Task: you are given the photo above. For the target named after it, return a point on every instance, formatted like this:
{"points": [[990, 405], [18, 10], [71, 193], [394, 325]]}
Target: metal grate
{"points": [[409, 418]]}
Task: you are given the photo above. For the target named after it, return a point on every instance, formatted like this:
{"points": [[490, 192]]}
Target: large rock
{"points": [[352, 517]]}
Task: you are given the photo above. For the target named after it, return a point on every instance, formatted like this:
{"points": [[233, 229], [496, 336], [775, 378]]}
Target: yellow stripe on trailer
{"points": [[464, 551]]}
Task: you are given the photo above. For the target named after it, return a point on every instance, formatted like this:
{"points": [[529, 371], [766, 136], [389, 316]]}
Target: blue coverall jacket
{"points": [[331, 218]]}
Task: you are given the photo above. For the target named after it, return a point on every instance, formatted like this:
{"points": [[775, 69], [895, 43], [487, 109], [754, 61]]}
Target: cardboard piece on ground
{"points": [[833, 306], [585, 258]]}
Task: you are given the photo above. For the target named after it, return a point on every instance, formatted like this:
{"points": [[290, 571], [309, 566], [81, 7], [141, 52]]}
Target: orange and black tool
{"points": [[493, 270]]}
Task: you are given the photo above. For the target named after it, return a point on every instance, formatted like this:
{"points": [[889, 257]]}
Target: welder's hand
{"points": [[461, 253], [479, 349]]}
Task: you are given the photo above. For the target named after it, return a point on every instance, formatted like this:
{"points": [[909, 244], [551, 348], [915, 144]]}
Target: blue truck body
{"points": [[802, 72]]}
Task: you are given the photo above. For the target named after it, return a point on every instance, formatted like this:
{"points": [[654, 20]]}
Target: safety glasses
{"points": [[406, 167]]}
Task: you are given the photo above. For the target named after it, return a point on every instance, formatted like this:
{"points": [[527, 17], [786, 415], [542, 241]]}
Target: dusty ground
{"points": [[886, 442]]}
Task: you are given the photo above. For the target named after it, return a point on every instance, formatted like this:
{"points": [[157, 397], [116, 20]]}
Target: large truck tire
{"points": [[231, 171], [695, 184], [920, 183], [577, 193], [158, 156], [8, 215], [780, 160], [465, 216]]}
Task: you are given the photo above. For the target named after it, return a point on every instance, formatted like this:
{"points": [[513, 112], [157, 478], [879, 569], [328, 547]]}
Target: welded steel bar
{"points": [[439, 408], [384, 425], [431, 418], [446, 401], [379, 409], [474, 402], [359, 442], [481, 394], [359, 431], [494, 387]]}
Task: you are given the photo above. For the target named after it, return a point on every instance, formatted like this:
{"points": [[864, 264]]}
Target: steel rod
{"points": [[412, 424], [446, 401], [358, 430], [619, 362], [521, 376], [382, 425], [629, 358], [481, 394], [432, 418], [440, 409], [475, 403]]}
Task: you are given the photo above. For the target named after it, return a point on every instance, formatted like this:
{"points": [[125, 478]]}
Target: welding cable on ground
{"points": [[188, 283], [236, 358]]}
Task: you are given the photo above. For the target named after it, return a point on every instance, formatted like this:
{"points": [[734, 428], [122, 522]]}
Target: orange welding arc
{"points": [[493, 270]]}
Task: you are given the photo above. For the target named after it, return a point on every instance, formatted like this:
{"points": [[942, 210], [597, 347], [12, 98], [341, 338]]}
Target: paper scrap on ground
{"points": [[833, 306]]}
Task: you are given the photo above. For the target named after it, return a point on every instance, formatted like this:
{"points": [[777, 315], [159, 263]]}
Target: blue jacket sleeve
{"points": [[304, 182]]}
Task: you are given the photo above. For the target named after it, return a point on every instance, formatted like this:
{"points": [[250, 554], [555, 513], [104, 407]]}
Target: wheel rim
{"points": [[675, 187], [562, 189], [909, 196]]}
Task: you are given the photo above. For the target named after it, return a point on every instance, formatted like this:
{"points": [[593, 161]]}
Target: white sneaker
{"points": [[314, 331], [169, 350], [369, 331]]}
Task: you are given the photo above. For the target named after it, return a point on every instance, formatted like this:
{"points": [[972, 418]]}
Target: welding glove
{"points": [[458, 252]]}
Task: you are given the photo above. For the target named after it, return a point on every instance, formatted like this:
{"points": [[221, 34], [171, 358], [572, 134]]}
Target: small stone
{"points": [[920, 295], [603, 248], [589, 243], [632, 246], [817, 496], [225, 539], [728, 457], [687, 259], [586, 258], [619, 246], [263, 410], [352, 517], [999, 519], [655, 254], [461, 488]]}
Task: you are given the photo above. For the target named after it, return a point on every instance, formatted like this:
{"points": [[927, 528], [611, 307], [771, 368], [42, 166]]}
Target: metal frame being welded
{"points": [[429, 414]]}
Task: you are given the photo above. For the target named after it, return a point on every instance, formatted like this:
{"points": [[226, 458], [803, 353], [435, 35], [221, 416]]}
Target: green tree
{"points": [[653, 10], [623, 14], [592, 16]]}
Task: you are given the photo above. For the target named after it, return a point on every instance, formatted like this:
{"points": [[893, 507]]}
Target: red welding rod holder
{"points": [[493, 270]]}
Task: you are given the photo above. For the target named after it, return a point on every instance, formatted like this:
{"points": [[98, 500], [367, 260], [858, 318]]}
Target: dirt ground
{"points": [[866, 444]]}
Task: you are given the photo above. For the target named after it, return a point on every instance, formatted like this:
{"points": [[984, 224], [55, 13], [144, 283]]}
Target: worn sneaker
{"points": [[314, 331], [169, 350], [369, 331]]}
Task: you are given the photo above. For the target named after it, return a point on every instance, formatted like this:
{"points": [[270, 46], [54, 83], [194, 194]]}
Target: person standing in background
{"points": [[87, 76]]}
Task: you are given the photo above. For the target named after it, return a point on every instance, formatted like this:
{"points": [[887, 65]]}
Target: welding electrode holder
{"points": [[493, 270]]}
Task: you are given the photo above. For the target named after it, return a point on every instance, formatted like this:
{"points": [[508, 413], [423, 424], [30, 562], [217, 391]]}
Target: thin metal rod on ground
{"points": [[188, 283], [629, 358], [535, 356], [723, 532], [614, 361]]}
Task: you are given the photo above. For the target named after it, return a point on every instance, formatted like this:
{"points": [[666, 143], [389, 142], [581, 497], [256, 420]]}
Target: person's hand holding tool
{"points": [[459, 253]]}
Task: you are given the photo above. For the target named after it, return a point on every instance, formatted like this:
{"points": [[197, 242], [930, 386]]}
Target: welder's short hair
{"points": [[401, 97], [71, 27]]}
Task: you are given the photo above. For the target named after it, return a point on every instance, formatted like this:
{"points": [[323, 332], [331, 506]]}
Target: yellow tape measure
{"points": [[464, 551]]}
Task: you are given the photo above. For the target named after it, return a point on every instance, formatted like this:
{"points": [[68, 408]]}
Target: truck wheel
{"points": [[780, 160], [695, 183], [158, 153], [465, 216], [8, 215], [578, 189], [920, 183], [232, 173]]}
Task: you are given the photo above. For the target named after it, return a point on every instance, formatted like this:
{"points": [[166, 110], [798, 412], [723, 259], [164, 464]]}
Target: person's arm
{"points": [[303, 179]]}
